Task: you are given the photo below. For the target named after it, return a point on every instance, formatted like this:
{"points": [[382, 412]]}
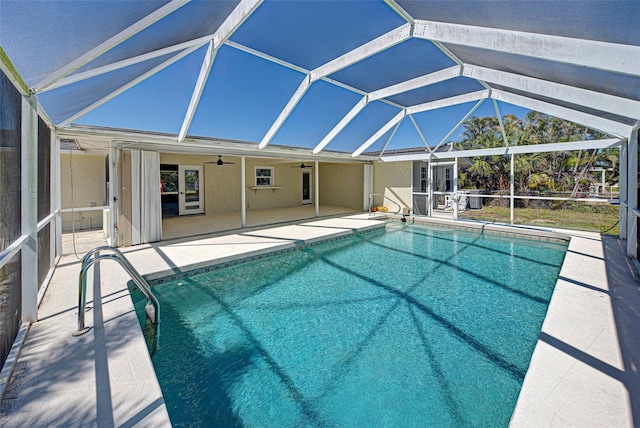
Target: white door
{"points": [[306, 188], [190, 199]]}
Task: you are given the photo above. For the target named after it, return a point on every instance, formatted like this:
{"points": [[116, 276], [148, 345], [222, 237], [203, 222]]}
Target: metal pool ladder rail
{"points": [[384, 197], [152, 307]]}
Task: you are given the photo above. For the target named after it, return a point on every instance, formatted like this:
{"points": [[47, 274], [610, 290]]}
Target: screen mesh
{"points": [[44, 170], [10, 304], [44, 253], [10, 130], [10, 213]]}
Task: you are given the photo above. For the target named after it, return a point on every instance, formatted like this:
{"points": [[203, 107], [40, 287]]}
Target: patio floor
{"points": [[584, 371], [192, 225]]}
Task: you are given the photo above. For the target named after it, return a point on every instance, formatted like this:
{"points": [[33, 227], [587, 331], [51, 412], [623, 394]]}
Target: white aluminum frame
{"points": [[586, 53], [596, 100], [29, 183], [396, 119]]}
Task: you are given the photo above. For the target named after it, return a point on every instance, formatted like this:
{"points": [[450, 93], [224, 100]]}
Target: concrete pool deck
{"points": [[584, 371]]}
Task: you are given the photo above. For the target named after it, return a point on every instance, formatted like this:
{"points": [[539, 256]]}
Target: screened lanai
{"points": [[355, 89]]}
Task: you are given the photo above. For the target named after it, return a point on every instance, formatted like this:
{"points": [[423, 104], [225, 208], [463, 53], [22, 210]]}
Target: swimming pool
{"points": [[408, 326]]}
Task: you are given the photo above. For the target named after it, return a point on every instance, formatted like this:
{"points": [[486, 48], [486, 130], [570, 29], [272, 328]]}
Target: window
{"points": [[264, 176]]}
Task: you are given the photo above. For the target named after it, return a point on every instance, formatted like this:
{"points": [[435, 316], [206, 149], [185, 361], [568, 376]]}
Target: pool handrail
{"points": [[371, 195], [89, 260]]}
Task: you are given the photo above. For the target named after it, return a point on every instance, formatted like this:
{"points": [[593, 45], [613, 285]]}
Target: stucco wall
{"points": [[89, 187], [222, 183], [341, 185], [284, 176], [393, 179]]}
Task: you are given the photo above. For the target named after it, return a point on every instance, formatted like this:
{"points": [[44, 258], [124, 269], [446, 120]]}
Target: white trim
{"points": [[235, 19], [370, 48], [243, 191], [624, 183], [360, 105], [316, 173], [601, 124], [534, 148], [113, 195], [271, 176], [397, 118], [109, 44], [183, 204], [45, 221], [606, 56], [29, 208], [451, 101], [54, 183], [632, 195], [286, 111], [198, 145], [418, 82], [309, 200], [12, 250], [596, 100], [58, 193], [68, 210], [207, 63]]}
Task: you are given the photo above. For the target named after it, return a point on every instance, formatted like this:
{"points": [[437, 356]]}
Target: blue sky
{"points": [[245, 94]]}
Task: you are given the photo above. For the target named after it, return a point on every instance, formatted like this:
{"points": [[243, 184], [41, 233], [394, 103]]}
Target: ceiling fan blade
{"points": [[303, 166]]}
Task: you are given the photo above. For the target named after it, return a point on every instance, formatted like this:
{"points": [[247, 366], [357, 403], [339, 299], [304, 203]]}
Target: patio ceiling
{"points": [[318, 76]]}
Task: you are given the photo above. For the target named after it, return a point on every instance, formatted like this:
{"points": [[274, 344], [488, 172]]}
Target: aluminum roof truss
{"points": [[533, 148], [613, 57], [606, 56]]}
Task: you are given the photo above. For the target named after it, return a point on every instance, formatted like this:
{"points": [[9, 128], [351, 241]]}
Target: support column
{"points": [[29, 196], [243, 191], [316, 172], [367, 186], [632, 195], [429, 189], [624, 185], [56, 193], [456, 197], [511, 188], [113, 194]]}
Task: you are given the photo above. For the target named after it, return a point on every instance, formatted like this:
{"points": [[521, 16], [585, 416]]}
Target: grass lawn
{"points": [[591, 218]]}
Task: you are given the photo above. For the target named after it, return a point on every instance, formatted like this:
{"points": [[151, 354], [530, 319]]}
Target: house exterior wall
{"points": [[341, 184], [393, 180], [288, 179], [222, 193], [89, 189]]}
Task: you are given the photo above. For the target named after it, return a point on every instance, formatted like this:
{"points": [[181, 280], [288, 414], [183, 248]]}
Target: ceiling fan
{"points": [[220, 162], [303, 166]]}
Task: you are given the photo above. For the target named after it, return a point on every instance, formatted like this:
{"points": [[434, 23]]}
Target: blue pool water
{"points": [[408, 326]]}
